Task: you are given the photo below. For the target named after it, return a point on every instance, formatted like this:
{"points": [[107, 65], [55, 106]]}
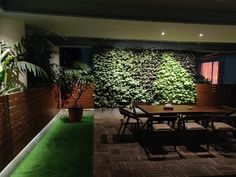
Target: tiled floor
{"points": [[128, 158]]}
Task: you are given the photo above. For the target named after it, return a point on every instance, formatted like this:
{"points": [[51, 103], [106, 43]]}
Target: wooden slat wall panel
{"points": [[230, 95], [5, 142], [86, 100], [22, 116], [209, 95], [216, 95]]}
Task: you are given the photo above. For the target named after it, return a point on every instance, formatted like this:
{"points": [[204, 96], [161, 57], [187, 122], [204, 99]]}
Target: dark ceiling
{"points": [[190, 11]]}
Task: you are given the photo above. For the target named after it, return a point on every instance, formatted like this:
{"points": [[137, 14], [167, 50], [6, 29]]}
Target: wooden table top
{"points": [[180, 109]]}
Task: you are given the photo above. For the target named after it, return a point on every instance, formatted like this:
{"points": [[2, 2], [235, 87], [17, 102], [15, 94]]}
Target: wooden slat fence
{"points": [[22, 116], [86, 99]]}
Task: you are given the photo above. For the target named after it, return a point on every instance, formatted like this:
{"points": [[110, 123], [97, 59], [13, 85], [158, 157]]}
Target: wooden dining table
{"points": [[152, 110], [179, 111]]}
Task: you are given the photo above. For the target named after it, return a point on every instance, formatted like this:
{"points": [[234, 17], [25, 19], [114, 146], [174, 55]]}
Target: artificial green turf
{"points": [[65, 151]]}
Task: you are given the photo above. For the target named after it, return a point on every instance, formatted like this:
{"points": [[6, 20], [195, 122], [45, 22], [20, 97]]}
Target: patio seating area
{"points": [[128, 157], [146, 88]]}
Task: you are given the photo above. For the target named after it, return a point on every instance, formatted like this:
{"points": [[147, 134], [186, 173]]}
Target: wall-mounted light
{"points": [[163, 33]]}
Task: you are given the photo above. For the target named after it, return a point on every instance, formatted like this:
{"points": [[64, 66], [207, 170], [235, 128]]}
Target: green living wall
{"points": [[126, 75]]}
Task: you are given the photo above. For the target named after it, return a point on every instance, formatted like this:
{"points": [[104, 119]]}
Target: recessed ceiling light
{"points": [[201, 35], [163, 33]]}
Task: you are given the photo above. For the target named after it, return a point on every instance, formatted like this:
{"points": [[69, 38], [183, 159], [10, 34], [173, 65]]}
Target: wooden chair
{"points": [[162, 125], [222, 124], [195, 128]]}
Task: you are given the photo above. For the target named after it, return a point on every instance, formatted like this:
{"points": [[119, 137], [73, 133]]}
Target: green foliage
{"points": [[126, 75], [114, 78], [73, 81], [38, 45], [173, 84], [11, 66], [187, 61]]}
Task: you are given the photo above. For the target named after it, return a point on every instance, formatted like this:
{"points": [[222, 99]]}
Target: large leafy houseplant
{"points": [[39, 47], [11, 64], [73, 83], [77, 81]]}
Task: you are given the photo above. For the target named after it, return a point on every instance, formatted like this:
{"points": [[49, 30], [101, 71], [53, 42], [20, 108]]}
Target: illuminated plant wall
{"points": [[126, 75], [173, 83]]}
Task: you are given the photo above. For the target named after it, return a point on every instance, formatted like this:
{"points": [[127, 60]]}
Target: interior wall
{"points": [[11, 31], [229, 74]]}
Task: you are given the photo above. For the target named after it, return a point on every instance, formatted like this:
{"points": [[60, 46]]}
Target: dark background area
{"points": [[68, 55]]}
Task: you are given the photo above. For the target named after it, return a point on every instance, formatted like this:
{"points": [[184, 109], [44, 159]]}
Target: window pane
{"points": [[210, 70], [206, 70], [215, 72]]}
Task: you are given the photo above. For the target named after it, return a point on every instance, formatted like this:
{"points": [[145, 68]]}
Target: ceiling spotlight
{"points": [[163, 33], [201, 35]]}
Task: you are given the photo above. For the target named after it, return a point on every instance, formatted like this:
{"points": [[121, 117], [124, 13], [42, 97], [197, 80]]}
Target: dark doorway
{"points": [[68, 55]]}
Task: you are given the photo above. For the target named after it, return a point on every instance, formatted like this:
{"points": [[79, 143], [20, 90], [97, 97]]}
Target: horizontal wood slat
{"points": [[86, 99], [216, 95], [22, 116], [207, 95]]}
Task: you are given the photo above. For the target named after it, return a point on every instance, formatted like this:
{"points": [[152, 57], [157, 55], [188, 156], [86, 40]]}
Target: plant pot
{"points": [[75, 114]]}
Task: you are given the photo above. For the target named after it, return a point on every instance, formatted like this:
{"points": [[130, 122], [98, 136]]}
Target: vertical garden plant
{"points": [[173, 83], [124, 75], [114, 78]]}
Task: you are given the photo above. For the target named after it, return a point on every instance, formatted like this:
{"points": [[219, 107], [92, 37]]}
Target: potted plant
{"points": [[73, 83]]}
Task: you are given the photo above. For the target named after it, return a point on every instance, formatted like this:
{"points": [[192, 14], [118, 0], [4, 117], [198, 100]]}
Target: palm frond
{"points": [[4, 54], [3, 46], [6, 90], [36, 70], [2, 91]]}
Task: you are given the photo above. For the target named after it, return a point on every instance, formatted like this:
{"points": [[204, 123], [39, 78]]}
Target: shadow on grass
{"points": [[66, 119]]}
